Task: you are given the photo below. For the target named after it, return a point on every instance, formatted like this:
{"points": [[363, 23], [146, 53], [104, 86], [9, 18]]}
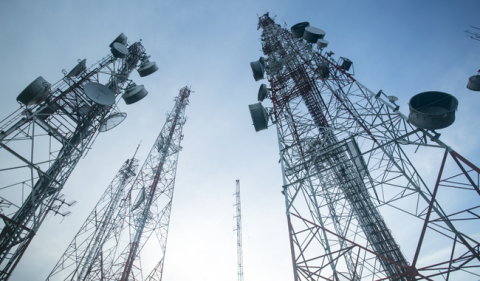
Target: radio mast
{"points": [[42, 141], [344, 153], [238, 229], [97, 252]]}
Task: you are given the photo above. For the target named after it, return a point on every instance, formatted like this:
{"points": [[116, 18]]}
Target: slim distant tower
{"points": [[111, 243], [104, 224], [238, 229], [42, 142], [345, 154]]}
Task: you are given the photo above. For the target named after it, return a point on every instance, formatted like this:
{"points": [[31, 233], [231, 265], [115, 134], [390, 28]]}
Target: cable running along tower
{"points": [[42, 141], [348, 153], [238, 225], [137, 213]]}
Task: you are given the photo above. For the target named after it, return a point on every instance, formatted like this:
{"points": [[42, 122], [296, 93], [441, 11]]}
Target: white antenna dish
{"points": [[392, 99], [112, 121], [474, 83], [35, 93], [258, 69], [322, 43], [262, 92], [134, 93], [122, 39], [147, 68], [298, 29], [259, 116], [99, 93], [79, 68], [312, 34], [119, 50], [432, 110], [262, 61]]}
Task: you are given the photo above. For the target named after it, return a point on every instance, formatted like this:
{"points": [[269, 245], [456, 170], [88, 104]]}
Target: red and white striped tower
{"points": [[346, 153], [141, 215]]}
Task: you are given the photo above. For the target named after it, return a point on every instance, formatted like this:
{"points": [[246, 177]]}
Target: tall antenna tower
{"points": [[344, 153], [238, 220], [97, 251], [42, 141]]}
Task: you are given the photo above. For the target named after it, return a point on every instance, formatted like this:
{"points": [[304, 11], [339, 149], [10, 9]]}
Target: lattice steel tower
{"points": [[42, 141], [238, 228], [344, 153], [97, 251]]}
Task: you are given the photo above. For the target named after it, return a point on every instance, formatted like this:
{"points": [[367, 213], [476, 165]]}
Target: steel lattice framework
{"points": [[98, 252], [41, 144], [345, 154], [238, 228]]}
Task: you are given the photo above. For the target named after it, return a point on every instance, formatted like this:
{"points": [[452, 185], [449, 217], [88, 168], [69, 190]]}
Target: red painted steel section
{"points": [[407, 269], [432, 202]]}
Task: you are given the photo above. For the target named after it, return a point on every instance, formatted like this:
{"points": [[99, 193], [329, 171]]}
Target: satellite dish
{"points": [[81, 66], [262, 92], [147, 68], [122, 39], [262, 61], [474, 83], [312, 34], [134, 93], [259, 116], [99, 93], [258, 69], [35, 93], [322, 43], [119, 50], [112, 121], [432, 110], [298, 29], [392, 99]]}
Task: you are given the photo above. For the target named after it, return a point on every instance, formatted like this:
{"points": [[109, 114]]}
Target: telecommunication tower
{"points": [[346, 153], [238, 228], [42, 141], [97, 251]]}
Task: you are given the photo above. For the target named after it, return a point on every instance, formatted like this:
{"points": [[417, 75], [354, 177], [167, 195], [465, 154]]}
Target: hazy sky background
{"points": [[401, 47]]}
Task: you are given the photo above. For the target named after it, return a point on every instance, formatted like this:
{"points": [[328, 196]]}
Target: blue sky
{"points": [[401, 47]]}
